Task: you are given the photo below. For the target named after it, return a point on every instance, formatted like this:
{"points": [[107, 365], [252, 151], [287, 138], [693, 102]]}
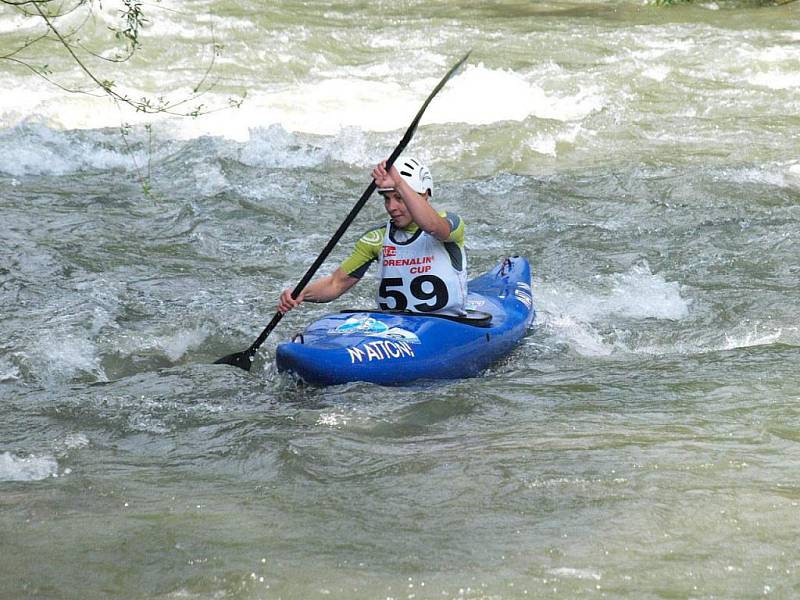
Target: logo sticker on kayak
{"points": [[476, 303], [523, 294], [362, 325], [370, 326], [380, 350], [395, 342]]}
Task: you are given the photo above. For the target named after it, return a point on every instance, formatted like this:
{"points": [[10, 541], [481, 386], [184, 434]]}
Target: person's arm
{"points": [[323, 289], [418, 206]]}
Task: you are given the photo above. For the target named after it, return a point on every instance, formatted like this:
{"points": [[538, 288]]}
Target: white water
{"points": [[29, 468], [640, 443]]}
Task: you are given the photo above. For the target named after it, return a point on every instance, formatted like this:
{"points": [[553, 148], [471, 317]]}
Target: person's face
{"points": [[396, 209]]}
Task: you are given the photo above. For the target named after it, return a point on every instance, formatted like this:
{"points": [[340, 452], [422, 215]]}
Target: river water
{"points": [[642, 442]]}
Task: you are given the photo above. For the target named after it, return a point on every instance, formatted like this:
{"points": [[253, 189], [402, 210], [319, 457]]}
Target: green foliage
{"points": [[134, 19]]}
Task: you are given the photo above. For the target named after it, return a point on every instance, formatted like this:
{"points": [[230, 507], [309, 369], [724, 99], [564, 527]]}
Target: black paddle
{"points": [[244, 360]]}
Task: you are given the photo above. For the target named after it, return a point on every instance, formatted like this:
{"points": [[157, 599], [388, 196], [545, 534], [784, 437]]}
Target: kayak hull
{"points": [[390, 348]]}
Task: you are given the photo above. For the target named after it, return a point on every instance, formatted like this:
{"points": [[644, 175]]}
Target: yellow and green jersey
{"points": [[368, 247]]}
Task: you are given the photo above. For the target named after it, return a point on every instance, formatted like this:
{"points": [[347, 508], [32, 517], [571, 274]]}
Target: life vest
{"points": [[421, 274]]}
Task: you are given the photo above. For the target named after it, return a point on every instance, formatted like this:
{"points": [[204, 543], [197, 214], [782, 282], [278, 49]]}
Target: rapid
{"points": [[642, 442]]}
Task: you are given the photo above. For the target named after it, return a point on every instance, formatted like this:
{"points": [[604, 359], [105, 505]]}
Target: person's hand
{"points": [[287, 303], [385, 178]]}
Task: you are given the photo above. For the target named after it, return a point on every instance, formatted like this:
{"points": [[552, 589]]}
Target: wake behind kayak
{"points": [[392, 348]]}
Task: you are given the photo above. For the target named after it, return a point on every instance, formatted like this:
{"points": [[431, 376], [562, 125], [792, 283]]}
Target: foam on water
{"points": [[71, 343], [581, 336], [16, 23], [750, 334], [478, 96], [775, 79], [743, 336], [8, 371], [575, 573], [482, 96], [637, 293], [176, 345], [778, 175], [333, 420], [35, 149], [793, 171], [209, 179], [73, 441], [30, 468], [172, 345], [750, 339], [61, 357], [578, 314], [547, 143], [657, 73], [274, 146], [641, 294]]}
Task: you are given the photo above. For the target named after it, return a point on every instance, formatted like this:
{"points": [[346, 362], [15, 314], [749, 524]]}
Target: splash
{"points": [[640, 294], [275, 147], [35, 149], [333, 420], [579, 316], [68, 357], [793, 171], [173, 346], [582, 336], [8, 371], [31, 468], [749, 339], [636, 294]]}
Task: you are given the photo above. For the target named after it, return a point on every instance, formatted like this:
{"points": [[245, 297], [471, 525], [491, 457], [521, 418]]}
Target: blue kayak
{"points": [[393, 348]]}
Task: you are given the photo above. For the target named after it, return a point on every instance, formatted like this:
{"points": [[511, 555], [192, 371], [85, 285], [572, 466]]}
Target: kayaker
{"points": [[420, 252]]}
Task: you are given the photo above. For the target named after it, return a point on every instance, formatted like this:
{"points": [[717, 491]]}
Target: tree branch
{"points": [[134, 19]]}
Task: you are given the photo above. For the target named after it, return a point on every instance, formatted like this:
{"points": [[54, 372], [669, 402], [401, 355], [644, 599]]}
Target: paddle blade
{"points": [[243, 360]]}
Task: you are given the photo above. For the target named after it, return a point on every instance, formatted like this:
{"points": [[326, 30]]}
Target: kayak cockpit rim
{"points": [[476, 318]]}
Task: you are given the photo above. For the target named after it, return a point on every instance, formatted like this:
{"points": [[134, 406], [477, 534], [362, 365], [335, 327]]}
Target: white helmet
{"points": [[416, 175]]}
